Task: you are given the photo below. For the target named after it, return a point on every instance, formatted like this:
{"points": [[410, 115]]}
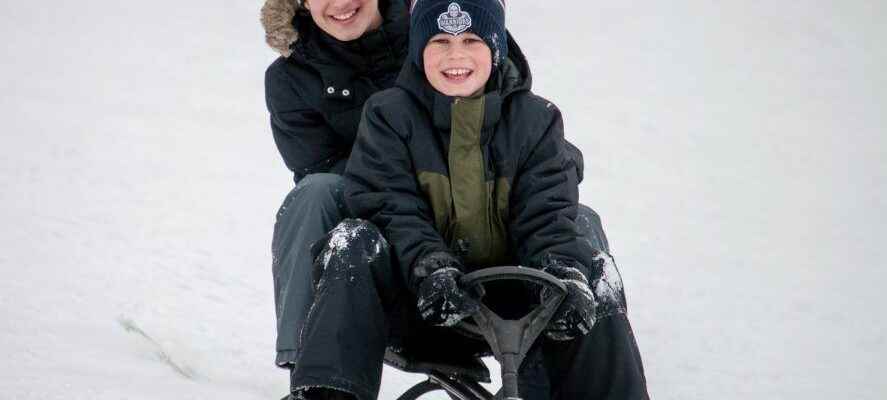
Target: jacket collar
{"points": [[442, 107]]}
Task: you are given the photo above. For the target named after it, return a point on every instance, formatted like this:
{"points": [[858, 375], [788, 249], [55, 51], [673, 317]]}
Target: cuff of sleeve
{"points": [[427, 264], [564, 269]]}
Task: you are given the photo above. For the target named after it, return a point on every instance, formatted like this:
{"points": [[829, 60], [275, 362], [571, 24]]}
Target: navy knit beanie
{"points": [[484, 18]]}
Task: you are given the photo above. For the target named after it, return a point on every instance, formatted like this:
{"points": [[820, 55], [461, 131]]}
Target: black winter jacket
{"points": [[316, 91], [400, 169]]}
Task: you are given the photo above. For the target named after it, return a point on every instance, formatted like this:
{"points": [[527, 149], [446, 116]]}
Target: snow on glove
{"points": [[441, 301], [576, 315]]}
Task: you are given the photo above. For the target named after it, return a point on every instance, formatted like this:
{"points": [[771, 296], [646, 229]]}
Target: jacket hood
{"points": [[277, 18], [282, 27]]}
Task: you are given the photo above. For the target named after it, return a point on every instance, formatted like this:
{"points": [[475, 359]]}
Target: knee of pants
{"points": [[354, 235], [357, 245], [353, 242], [322, 192]]}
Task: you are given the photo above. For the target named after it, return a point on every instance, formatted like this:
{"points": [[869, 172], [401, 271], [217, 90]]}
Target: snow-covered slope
{"points": [[734, 149]]}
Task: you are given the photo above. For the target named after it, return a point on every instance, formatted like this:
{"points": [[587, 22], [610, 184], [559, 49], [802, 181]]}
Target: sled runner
{"points": [[509, 340]]}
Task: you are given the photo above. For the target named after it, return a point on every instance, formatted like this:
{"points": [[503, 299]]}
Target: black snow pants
{"points": [[362, 307]]}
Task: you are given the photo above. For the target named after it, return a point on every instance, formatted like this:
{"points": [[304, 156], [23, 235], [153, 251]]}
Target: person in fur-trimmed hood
{"points": [[327, 69], [334, 54]]}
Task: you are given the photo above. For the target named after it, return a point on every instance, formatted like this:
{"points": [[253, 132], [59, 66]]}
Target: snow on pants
{"points": [[362, 307], [307, 214]]}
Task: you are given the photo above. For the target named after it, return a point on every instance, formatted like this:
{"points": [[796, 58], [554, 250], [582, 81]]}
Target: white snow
{"points": [[339, 239], [609, 286], [734, 149]]}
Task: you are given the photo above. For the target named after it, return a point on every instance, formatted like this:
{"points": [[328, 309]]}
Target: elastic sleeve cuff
{"points": [[427, 264]]}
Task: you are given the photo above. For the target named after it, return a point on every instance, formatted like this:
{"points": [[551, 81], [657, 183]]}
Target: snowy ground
{"points": [[734, 148]]}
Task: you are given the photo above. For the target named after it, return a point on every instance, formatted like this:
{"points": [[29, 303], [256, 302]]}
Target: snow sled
{"points": [[509, 339]]}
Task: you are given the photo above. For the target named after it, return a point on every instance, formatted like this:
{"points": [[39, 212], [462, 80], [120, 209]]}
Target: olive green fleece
{"points": [[467, 209]]}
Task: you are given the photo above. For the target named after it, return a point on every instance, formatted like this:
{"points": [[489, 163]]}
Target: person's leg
{"points": [[603, 365], [344, 338], [591, 229], [310, 210], [534, 383]]}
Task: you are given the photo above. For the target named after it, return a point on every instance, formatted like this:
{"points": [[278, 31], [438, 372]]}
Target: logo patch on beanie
{"points": [[454, 21]]}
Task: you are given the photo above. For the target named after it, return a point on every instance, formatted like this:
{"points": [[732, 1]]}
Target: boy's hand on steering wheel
{"points": [[576, 315], [441, 301]]}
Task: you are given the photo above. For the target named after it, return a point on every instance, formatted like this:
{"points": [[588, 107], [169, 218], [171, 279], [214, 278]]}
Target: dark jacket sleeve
{"points": [[544, 202], [306, 142], [382, 187]]}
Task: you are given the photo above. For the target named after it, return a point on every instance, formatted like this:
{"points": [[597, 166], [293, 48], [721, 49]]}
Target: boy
{"points": [[461, 167]]}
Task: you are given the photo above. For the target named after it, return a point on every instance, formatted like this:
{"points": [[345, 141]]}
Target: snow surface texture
{"points": [[734, 149]]}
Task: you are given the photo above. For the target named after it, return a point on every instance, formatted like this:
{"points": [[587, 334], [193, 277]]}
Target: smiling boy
{"points": [[460, 167]]}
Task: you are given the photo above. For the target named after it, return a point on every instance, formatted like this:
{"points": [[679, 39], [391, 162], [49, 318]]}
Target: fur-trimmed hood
{"points": [[283, 26], [277, 19]]}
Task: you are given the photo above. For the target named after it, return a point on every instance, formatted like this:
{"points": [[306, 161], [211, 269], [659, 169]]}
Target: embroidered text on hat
{"points": [[454, 21]]}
